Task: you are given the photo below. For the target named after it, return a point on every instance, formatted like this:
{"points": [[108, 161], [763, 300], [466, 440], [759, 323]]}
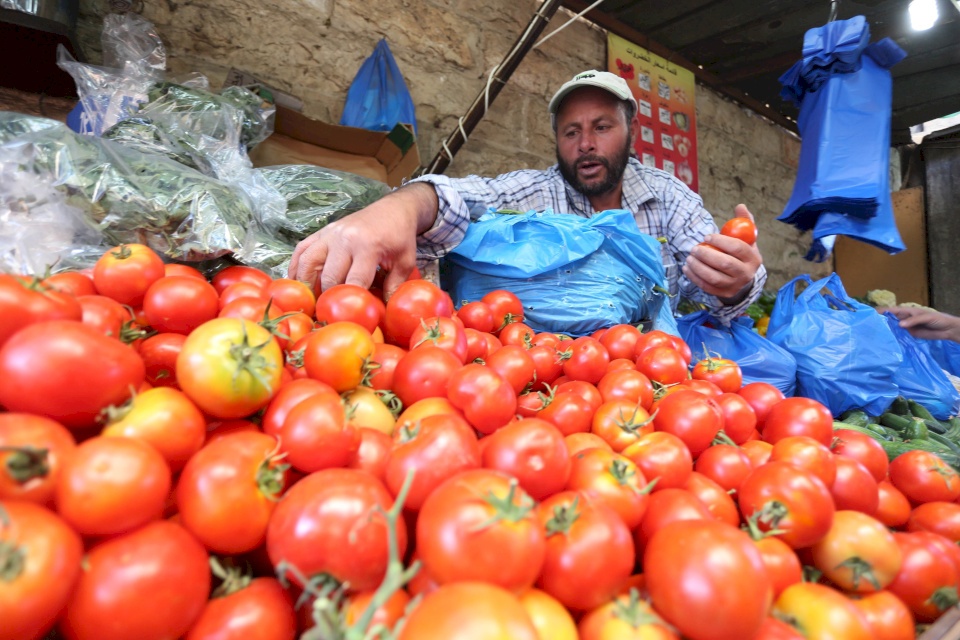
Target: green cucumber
{"points": [[900, 407], [858, 417]]}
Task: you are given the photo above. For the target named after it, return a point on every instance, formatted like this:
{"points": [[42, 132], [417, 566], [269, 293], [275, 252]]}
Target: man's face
{"points": [[593, 140]]}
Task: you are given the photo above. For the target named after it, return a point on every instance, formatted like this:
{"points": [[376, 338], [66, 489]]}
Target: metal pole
{"points": [[485, 98]]}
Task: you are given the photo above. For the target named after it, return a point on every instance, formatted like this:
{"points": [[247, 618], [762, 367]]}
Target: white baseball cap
{"points": [[601, 79]]}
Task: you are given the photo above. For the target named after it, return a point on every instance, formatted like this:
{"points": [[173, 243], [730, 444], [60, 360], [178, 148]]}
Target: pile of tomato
{"points": [[239, 458]]}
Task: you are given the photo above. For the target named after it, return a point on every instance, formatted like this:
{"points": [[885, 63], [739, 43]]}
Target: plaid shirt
{"points": [[661, 204]]}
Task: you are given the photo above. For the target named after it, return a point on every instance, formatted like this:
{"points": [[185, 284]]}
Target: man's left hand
{"points": [[722, 266]]}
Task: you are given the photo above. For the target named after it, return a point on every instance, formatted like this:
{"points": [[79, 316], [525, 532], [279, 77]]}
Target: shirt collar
{"points": [[635, 189]]}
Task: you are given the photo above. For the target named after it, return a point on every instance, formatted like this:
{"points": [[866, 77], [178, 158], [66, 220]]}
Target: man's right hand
{"points": [[383, 235], [927, 324]]}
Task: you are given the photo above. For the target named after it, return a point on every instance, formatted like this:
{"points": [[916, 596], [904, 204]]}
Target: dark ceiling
{"points": [[744, 46]]}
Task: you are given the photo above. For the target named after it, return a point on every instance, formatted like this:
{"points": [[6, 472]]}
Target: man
{"points": [[594, 116], [927, 324]]}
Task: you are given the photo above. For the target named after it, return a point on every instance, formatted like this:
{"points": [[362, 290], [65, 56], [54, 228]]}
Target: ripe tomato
{"points": [[807, 453], [292, 295], [125, 273], [887, 616], [436, 448], [626, 384], [350, 303], [587, 361], [373, 453], [776, 629], [743, 229], [423, 408], [485, 398], [626, 617], [388, 614], [858, 554], [338, 354], [577, 442], [739, 418], [667, 506], [41, 566], [927, 580], [761, 396], [32, 453], [893, 508], [289, 396], [924, 477], [446, 333], [24, 303], [383, 363], [549, 617], [229, 489], [315, 434], [863, 449], [714, 497], [823, 613], [480, 525], [239, 273], [708, 580], [781, 562], [109, 485], [939, 517], [104, 314], [176, 269], [620, 341], [854, 487], [514, 364], [159, 354], [260, 609], [516, 333], [724, 373], [662, 364], [651, 339], [159, 563], [180, 304], [725, 464], [477, 315], [42, 366], [798, 416], [691, 416], [569, 412], [793, 500], [662, 457], [413, 300], [469, 611], [367, 408], [163, 417], [621, 423], [72, 283], [547, 366], [240, 290], [424, 373], [589, 551], [330, 522], [705, 387], [758, 451], [505, 307], [229, 367], [608, 478]]}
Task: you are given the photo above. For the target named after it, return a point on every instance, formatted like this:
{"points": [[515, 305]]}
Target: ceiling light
{"points": [[923, 14]]}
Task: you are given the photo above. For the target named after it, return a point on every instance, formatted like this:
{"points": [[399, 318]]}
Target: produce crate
{"points": [[946, 628]]}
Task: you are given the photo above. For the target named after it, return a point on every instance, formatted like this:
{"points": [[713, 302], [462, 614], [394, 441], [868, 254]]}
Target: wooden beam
{"points": [[706, 77]]}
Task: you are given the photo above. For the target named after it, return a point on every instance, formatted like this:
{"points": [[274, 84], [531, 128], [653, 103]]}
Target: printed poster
{"points": [[665, 97]]}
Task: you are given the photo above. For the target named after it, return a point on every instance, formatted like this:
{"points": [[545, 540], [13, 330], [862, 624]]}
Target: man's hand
{"points": [[383, 235], [927, 324], [722, 266]]}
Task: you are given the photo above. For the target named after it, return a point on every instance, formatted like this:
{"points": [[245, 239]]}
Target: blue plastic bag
{"points": [[760, 360], [946, 353], [573, 275], [378, 98], [846, 354], [920, 378]]}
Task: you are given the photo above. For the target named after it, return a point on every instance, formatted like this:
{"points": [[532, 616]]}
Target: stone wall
{"points": [[445, 50]]}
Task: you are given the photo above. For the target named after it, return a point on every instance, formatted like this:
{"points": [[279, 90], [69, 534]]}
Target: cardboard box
{"points": [[863, 267], [388, 156]]}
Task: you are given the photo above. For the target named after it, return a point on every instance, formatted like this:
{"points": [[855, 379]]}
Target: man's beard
{"points": [[615, 166]]}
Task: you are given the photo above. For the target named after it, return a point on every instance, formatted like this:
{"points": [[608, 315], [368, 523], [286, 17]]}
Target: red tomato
{"points": [[782, 564], [662, 364], [761, 396], [24, 303], [424, 373], [180, 304], [514, 364], [41, 566], [159, 563], [858, 554], [620, 341], [547, 366], [66, 371], [663, 458], [798, 417], [863, 449], [338, 354], [577, 442], [534, 452], [608, 478], [229, 367], [702, 386], [823, 613], [292, 295], [691, 416], [505, 307], [621, 423], [589, 551], [104, 314], [893, 508], [436, 448], [477, 346], [739, 418], [516, 333], [655, 338], [125, 273], [569, 412], [289, 396], [350, 303], [330, 522], [241, 290], [110, 485], [383, 363], [793, 500], [854, 488], [176, 269], [413, 300], [479, 525], [724, 373], [667, 506], [72, 283], [159, 354], [239, 273], [775, 629], [32, 453], [725, 464], [486, 399], [708, 580], [446, 333], [926, 577], [626, 384], [743, 229], [921, 476], [373, 453], [315, 434], [807, 453], [887, 616], [714, 497], [228, 491], [477, 315], [939, 517], [627, 617], [262, 609], [758, 451], [587, 361], [388, 614], [469, 610]]}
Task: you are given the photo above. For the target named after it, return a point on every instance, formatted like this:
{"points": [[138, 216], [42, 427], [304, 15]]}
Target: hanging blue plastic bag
{"points": [[919, 377], [846, 354], [760, 360], [573, 275], [946, 353], [378, 98]]}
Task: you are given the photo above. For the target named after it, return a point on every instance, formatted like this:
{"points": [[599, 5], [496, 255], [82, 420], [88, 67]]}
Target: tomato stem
{"points": [[249, 359], [512, 507], [636, 612], [943, 598], [233, 578], [26, 463], [563, 518], [860, 568]]}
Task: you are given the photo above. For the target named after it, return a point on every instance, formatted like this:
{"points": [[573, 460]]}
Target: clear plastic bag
{"points": [[41, 232], [316, 196], [132, 196]]}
